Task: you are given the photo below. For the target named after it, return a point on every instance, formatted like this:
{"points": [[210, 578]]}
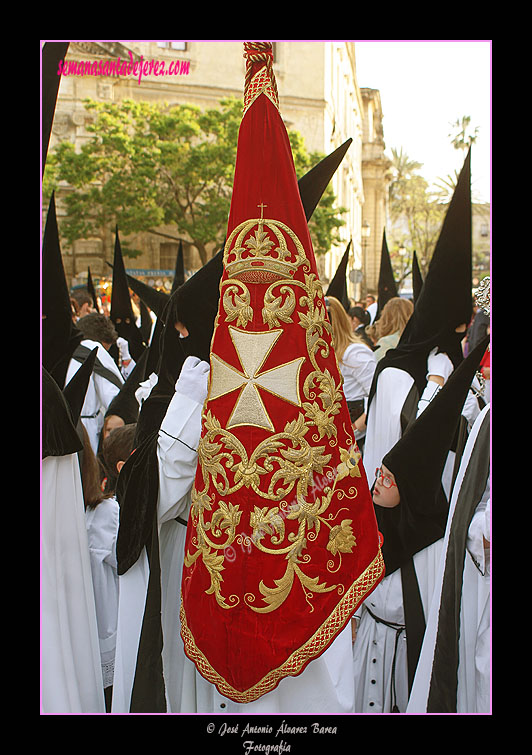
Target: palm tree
{"points": [[402, 165], [460, 139], [403, 169]]}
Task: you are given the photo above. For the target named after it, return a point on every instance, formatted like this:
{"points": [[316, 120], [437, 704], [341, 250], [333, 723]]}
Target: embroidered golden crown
{"points": [[261, 250]]}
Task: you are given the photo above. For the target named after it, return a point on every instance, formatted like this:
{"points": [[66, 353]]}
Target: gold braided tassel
{"points": [[261, 80]]}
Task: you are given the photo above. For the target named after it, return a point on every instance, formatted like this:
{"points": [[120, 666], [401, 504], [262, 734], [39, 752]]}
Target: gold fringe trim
{"points": [[313, 647]]}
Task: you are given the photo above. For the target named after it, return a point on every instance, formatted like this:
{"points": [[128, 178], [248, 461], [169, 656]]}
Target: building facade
{"points": [[319, 97], [376, 173]]}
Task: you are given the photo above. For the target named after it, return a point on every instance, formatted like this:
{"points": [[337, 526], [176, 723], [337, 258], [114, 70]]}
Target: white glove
{"points": [[123, 348], [193, 380], [145, 388], [439, 364]]}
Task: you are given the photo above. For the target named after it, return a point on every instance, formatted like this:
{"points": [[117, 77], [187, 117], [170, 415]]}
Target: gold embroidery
{"points": [[237, 305], [331, 402], [258, 258], [349, 464], [341, 538], [252, 350], [261, 83], [275, 308], [286, 463], [293, 666]]}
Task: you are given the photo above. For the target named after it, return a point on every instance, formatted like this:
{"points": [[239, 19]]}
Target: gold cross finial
{"points": [[262, 206]]}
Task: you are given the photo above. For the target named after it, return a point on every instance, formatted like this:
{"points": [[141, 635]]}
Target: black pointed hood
{"points": [[445, 301], [146, 322], [417, 278], [52, 54], [60, 336], [58, 433], [387, 287], [417, 461], [125, 404], [195, 304], [338, 285], [92, 290], [179, 274], [156, 300], [154, 349], [155, 344], [313, 184], [122, 314], [76, 388]]}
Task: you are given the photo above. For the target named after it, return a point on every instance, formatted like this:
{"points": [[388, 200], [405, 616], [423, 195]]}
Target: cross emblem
{"points": [[252, 350]]}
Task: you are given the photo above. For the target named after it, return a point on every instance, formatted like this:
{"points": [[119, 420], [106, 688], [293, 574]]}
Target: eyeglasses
{"points": [[386, 481]]}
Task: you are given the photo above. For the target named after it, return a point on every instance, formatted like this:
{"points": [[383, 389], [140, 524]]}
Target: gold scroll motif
{"points": [[284, 468]]}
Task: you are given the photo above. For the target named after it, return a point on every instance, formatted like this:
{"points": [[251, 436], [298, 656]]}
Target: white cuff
{"points": [[182, 421], [431, 389], [439, 364]]}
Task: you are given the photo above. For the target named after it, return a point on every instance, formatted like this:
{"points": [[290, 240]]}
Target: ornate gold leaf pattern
{"points": [[300, 657], [274, 251], [236, 302], [286, 461]]}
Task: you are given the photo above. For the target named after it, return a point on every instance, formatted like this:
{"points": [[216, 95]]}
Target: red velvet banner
{"points": [[282, 542]]}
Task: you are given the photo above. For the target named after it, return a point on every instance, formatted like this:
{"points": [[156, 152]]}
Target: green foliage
{"points": [[148, 165], [414, 209], [461, 137]]}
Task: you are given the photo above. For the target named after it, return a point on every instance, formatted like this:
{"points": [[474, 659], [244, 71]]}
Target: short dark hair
{"points": [[118, 446], [361, 314], [97, 327], [81, 296]]}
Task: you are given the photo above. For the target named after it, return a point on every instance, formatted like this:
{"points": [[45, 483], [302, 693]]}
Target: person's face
{"points": [[385, 491], [86, 309], [111, 423]]}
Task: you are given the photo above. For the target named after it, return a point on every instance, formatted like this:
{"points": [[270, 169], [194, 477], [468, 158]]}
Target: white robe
{"points": [[357, 366], [384, 418], [70, 654], [473, 691], [100, 392], [177, 469], [325, 686], [102, 530], [374, 647]]}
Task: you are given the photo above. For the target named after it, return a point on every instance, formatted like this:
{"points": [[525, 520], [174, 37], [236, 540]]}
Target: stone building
{"points": [[319, 97], [376, 176]]}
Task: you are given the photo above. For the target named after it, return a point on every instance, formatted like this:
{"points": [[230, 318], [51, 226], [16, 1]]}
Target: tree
{"points": [[460, 138], [415, 213], [148, 165]]}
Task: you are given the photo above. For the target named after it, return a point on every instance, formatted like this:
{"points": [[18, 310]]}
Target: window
{"points": [[172, 45], [168, 255]]}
